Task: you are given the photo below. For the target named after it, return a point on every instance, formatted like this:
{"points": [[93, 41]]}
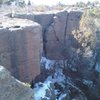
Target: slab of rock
{"points": [[56, 27], [57, 34], [73, 21], [20, 47], [45, 19], [12, 89]]}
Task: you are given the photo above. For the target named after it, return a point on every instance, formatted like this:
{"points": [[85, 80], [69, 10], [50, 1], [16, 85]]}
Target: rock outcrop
{"points": [[57, 28], [67, 41], [12, 89], [20, 47], [58, 34]]}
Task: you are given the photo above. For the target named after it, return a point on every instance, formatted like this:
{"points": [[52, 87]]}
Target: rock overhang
{"points": [[20, 44]]}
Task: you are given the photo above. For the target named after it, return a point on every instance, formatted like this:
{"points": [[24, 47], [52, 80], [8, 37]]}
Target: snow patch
{"points": [[58, 77], [1, 68], [47, 63], [62, 96], [89, 83], [40, 91], [97, 67]]}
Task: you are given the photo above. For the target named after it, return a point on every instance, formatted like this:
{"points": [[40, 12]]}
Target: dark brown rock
{"points": [[20, 48]]}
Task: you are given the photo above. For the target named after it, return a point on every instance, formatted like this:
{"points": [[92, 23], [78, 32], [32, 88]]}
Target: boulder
{"points": [[21, 47], [12, 89], [44, 19], [58, 34]]}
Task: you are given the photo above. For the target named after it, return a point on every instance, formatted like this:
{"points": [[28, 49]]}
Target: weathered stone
{"points": [[73, 21], [57, 26], [20, 48], [58, 33], [12, 89]]}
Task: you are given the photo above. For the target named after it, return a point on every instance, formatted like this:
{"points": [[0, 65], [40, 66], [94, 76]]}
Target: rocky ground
{"points": [[59, 83], [13, 89]]}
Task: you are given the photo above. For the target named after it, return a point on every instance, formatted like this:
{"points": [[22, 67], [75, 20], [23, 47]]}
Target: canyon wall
{"points": [[22, 45], [57, 28], [20, 48]]}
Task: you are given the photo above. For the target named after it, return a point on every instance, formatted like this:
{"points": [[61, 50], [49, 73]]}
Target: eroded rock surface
{"points": [[72, 47], [20, 47], [12, 89]]}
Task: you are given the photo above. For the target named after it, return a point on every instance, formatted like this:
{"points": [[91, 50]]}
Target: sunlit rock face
{"points": [[57, 27], [12, 89], [98, 51], [20, 47]]}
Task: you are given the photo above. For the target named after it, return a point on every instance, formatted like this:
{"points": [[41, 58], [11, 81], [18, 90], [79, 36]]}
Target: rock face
{"points": [[20, 47], [58, 33], [12, 89], [57, 28]]}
